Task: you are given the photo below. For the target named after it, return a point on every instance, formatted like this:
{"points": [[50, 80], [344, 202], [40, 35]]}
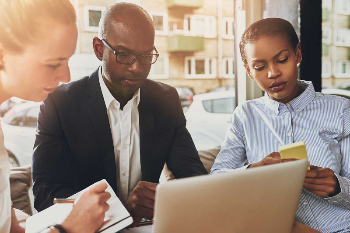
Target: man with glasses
{"points": [[115, 124]]}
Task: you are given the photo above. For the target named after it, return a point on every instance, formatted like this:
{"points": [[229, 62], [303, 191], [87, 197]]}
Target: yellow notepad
{"points": [[294, 151]]}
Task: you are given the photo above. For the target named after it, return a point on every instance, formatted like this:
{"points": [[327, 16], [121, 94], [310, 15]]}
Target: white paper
{"points": [[58, 212]]}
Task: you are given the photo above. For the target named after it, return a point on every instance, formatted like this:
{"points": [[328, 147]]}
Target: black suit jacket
{"points": [[74, 146]]}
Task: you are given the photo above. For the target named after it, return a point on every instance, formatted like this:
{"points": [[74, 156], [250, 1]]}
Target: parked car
{"points": [[19, 126], [223, 88], [208, 116], [339, 92], [185, 95]]}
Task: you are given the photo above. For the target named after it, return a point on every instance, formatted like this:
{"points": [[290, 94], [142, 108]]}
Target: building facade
{"points": [[335, 42], [195, 40]]}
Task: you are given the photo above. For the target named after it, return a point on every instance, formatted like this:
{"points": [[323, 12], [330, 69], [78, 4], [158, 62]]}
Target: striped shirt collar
{"points": [[108, 97], [298, 103]]}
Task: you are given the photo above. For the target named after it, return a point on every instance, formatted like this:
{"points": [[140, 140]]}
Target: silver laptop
{"points": [[260, 200]]}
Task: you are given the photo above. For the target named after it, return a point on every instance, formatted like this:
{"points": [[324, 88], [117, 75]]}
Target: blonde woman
{"points": [[37, 37]]}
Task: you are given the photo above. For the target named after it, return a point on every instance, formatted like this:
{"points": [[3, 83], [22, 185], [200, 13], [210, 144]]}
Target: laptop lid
{"points": [[262, 199]]}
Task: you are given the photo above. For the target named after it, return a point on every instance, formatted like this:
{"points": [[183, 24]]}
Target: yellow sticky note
{"points": [[294, 151]]}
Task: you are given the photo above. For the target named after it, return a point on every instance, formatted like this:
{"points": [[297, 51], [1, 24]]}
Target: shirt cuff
{"points": [[343, 195]]}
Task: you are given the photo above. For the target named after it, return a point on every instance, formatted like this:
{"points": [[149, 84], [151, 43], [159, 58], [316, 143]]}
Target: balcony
{"points": [[185, 3], [182, 43]]}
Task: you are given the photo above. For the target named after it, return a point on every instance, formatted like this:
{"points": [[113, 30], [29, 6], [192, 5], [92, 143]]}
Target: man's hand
{"points": [[140, 202], [89, 210], [322, 182]]}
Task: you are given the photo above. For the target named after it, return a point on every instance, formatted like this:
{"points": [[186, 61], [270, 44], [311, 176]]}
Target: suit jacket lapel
{"points": [[146, 123], [100, 121]]}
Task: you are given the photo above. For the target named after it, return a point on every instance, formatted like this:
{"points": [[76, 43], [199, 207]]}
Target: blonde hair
{"points": [[20, 20]]}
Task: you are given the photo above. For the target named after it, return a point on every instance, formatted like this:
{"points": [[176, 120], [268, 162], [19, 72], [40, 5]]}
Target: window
{"points": [[224, 105], [228, 67], [31, 117], [342, 69], [343, 37], [326, 68], [327, 4], [228, 28], [200, 25], [200, 67], [160, 20], [326, 35], [343, 7], [160, 69], [92, 16]]}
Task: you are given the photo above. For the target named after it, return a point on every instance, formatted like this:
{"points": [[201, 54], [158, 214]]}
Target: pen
{"points": [[63, 200]]}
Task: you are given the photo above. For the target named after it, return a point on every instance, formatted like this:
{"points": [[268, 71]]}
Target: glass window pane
{"points": [[158, 67], [225, 105], [207, 104], [158, 22], [226, 27], [200, 66], [200, 27], [94, 18], [210, 66]]}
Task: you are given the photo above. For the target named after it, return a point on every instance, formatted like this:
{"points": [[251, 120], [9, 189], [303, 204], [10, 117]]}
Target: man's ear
{"points": [[298, 54], [248, 71], [97, 44]]}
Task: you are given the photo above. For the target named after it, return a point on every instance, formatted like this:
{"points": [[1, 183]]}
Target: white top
{"points": [[5, 197], [126, 139]]}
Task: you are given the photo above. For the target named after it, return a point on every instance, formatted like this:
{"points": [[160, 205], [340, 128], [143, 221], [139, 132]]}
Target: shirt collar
{"points": [[298, 103], [108, 97]]}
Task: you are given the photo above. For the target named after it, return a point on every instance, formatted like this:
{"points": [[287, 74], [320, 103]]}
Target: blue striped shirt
{"points": [[260, 126]]}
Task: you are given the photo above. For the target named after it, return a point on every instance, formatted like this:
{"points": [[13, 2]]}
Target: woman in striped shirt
{"points": [[291, 111]]}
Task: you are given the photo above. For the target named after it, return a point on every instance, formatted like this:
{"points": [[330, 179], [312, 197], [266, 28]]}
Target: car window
{"points": [[31, 117], [16, 119], [223, 105]]}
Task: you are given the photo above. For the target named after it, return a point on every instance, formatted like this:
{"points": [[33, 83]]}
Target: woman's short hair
{"points": [[268, 27], [20, 20]]}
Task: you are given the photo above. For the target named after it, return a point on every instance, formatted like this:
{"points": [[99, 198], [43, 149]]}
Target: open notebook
{"points": [[117, 217]]}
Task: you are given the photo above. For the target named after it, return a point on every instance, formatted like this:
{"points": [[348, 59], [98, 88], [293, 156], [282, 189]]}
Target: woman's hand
{"points": [[89, 210]]}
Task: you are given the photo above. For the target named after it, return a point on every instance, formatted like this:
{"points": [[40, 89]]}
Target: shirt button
{"points": [[297, 110], [124, 173], [289, 134], [304, 204], [125, 146], [287, 105]]}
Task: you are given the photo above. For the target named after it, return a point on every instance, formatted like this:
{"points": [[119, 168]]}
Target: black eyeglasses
{"points": [[129, 59]]}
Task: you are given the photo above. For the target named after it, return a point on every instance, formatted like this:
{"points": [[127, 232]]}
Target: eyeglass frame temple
{"points": [[136, 56]]}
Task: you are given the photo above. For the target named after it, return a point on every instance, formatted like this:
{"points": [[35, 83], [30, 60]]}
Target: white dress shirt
{"points": [[5, 198], [126, 139]]}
